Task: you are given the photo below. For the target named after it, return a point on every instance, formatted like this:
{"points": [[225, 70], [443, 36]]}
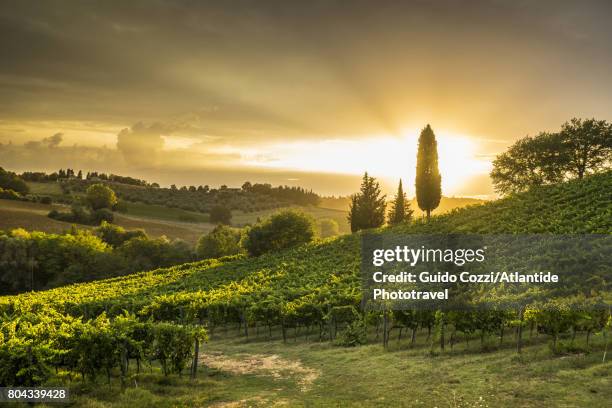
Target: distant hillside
{"points": [[446, 204], [62, 185]]}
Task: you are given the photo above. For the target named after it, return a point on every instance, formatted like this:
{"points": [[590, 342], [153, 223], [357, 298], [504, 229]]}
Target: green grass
{"points": [[33, 217], [163, 213], [50, 189], [319, 374]]}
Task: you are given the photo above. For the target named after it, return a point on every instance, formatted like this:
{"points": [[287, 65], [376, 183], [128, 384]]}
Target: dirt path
{"points": [[260, 364]]}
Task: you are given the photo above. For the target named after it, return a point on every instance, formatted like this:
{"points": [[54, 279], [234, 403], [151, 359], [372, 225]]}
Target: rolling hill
{"points": [[307, 290], [577, 207]]}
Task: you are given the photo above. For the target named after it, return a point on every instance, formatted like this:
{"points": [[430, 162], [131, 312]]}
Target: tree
{"points": [[220, 214], [10, 181], [283, 230], [100, 196], [529, 162], [400, 208], [588, 145], [428, 181], [328, 228], [367, 208], [115, 235], [221, 241]]}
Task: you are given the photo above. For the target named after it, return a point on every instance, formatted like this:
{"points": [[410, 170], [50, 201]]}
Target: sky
{"points": [[291, 92]]}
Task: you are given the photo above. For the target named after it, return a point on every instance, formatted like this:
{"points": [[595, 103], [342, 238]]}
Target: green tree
{"points": [[367, 208], [221, 241], [115, 235], [428, 181], [220, 214], [530, 161], [100, 196], [328, 228], [145, 254], [400, 208], [10, 181], [588, 145], [283, 230]]}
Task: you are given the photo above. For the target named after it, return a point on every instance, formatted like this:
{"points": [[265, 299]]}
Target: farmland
{"points": [[266, 306]]}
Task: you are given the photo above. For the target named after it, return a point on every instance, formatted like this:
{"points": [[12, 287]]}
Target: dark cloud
{"points": [[286, 69]]}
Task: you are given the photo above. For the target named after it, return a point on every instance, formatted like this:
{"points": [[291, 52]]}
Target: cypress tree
{"points": [[428, 181], [367, 209], [400, 207]]}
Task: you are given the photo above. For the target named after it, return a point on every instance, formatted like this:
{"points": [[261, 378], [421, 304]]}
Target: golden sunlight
{"points": [[383, 156]]}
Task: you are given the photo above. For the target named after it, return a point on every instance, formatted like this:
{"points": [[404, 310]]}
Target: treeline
{"points": [[581, 147], [203, 198], [37, 260], [61, 174], [250, 197], [294, 195]]}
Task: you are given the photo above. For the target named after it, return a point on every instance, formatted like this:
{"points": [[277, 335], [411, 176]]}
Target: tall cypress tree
{"points": [[428, 181], [400, 208], [367, 209]]}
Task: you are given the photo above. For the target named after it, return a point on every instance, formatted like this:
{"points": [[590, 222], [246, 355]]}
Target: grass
{"points": [[368, 376], [33, 217], [240, 218], [50, 189], [163, 213]]}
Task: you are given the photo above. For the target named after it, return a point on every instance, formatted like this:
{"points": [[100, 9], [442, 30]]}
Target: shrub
{"points": [[100, 196], [9, 194], [45, 200], [353, 335], [145, 254], [220, 215], [10, 181], [221, 241], [102, 215], [22, 363], [283, 230], [172, 346], [328, 228], [115, 235]]}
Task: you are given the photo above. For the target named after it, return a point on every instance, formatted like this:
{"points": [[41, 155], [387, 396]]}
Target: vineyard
{"points": [[98, 328]]}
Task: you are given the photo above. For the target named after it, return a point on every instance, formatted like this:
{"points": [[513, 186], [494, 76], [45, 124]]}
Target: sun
{"points": [[387, 157]]}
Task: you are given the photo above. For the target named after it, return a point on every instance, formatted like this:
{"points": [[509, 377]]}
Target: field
{"points": [[33, 216], [318, 213], [290, 294], [261, 373], [154, 219], [160, 212], [48, 189]]}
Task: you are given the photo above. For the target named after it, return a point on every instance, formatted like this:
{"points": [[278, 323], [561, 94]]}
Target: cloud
{"points": [[141, 144], [51, 142]]}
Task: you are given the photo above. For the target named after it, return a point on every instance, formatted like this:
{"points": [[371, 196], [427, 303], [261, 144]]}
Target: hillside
{"points": [[577, 207], [305, 291], [446, 204]]}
